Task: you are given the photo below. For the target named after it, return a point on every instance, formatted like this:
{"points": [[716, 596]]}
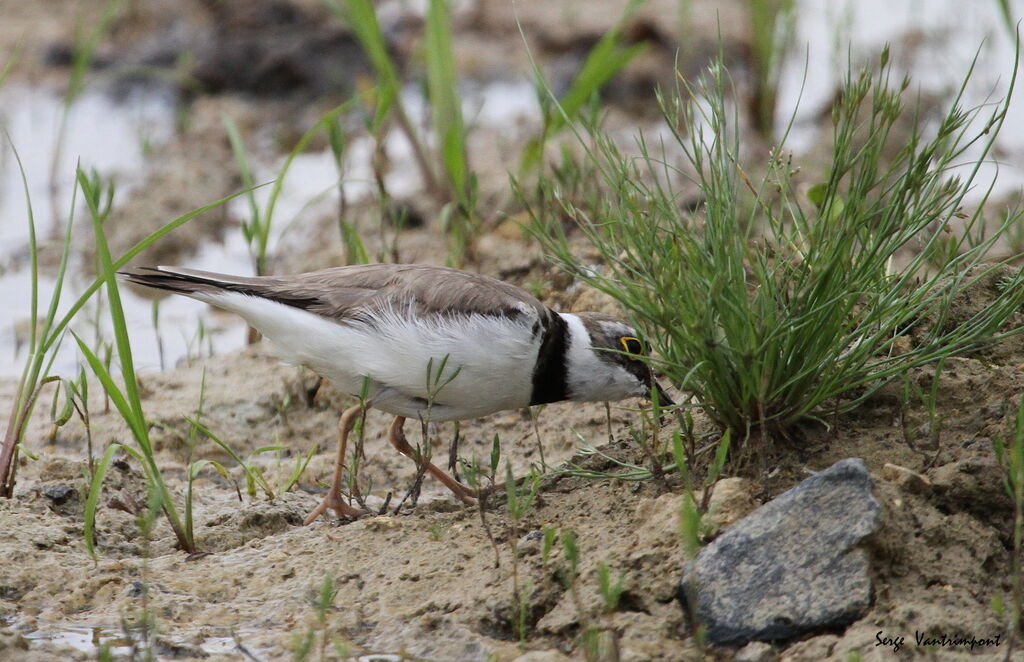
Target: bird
{"points": [[425, 342]]}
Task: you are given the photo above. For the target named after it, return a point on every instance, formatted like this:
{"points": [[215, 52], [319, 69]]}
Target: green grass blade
{"points": [[51, 313], [300, 147], [267, 449], [85, 47], [33, 250], [37, 367], [217, 440], [92, 500], [608, 56], [116, 395], [300, 468], [606, 59], [128, 402], [193, 472], [251, 229], [361, 16], [445, 102], [107, 271]]}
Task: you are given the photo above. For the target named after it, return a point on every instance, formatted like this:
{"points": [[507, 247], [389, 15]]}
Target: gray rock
{"points": [[792, 565]]}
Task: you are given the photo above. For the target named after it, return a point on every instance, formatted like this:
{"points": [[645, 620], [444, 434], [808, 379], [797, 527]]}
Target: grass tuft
{"points": [[48, 330], [772, 306]]}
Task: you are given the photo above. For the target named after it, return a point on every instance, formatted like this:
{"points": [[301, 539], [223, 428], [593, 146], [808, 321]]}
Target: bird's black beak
{"points": [[664, 399]]}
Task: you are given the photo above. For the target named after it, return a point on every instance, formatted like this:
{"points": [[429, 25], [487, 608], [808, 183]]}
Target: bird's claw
{"points": [[335, 503]]}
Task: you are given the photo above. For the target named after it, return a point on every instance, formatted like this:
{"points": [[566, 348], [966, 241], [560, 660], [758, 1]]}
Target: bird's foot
{"points": [[464, 494], [335, 503], [469, 497]]}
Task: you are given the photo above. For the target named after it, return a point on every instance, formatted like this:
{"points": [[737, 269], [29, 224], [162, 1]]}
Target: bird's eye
{"points": [[631, 345]]}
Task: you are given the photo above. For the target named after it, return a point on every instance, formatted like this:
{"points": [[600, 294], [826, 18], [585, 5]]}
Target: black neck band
{"points": [[550, 371]]}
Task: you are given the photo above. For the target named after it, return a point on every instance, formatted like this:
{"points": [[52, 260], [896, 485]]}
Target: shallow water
{"points": [[90, 639], [936, 39], [111, 134], [115, 136]]}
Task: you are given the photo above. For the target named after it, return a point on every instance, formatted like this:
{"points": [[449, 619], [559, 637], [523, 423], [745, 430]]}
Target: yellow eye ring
{"points": [[631, 345]]}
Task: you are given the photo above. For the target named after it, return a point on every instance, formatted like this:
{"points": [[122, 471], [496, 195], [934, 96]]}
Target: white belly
{"points": [[489, 365]]}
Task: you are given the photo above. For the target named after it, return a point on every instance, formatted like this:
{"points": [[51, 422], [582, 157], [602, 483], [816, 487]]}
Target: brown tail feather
{"points": [[195, 283], [178, 280]]}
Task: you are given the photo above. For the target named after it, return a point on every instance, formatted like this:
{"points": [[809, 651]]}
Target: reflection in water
{"points": [[90, 639]]}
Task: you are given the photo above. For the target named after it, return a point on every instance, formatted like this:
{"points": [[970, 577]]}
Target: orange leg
{"points": [[333, 499], [397, 438]]}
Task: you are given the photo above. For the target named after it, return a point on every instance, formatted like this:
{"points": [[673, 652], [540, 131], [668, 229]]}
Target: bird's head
{"points": [[607, 361]]}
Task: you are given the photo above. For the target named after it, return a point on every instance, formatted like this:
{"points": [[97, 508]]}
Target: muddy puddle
{"points": [[140, 121], [91, 640]]}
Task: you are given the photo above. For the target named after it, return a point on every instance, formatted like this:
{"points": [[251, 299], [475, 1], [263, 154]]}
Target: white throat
{"points": [[589, 377]]}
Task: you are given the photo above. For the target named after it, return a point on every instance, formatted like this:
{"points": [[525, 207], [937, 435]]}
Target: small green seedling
{"points": [[611, 591]]}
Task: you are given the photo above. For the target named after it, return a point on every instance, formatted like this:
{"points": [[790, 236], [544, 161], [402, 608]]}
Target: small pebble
{"points": [[58, 494], [383, 523]]}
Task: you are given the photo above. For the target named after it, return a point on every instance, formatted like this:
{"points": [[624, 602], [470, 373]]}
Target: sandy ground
{"points": [[436, 581], [425, 580]]}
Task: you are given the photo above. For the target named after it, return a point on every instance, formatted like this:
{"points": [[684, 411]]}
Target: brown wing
{"points": [[343, 293]]}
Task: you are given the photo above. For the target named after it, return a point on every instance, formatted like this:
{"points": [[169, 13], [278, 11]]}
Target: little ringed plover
{"points": [[429, 342]]}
